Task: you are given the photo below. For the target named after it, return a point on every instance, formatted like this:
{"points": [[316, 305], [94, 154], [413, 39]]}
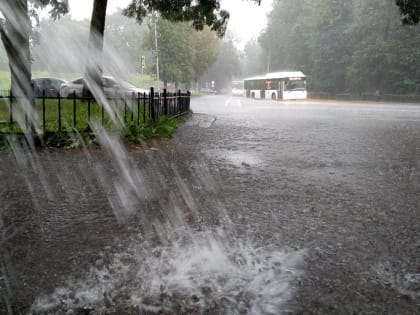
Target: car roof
{"points": [[46, 78]]}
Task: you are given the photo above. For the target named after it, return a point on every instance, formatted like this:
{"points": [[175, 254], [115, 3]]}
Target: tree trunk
{"points": [[93, 71], [15, 38]]}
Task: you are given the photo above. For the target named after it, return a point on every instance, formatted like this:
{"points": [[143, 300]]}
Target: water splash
{"points": [[395, 274], [198, 273]]}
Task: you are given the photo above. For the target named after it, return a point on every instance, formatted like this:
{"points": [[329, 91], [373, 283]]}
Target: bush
{"points": [[163, 127]]}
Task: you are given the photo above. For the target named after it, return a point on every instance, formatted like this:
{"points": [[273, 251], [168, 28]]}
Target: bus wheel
{"points": [[273, 96]]}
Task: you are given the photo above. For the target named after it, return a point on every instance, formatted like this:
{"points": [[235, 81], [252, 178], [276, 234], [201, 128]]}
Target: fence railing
{"points": [[64, 113]]}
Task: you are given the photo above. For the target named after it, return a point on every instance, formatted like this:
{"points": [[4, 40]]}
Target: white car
{"points": [[112, 87], [237, 92]]}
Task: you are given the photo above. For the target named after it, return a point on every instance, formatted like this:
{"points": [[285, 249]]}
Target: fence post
{"points": [[188, 100], [152, 103], [165, 102], [103, 115], [138, 108], [88, 110], [74, 110], [59, 112], [132, 106], [125, 108], [34, 134], [180, 102], [11, 106], [43, 112], [144, 107]]}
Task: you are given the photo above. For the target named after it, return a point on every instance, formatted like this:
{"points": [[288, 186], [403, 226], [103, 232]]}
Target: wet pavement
{"points": [[341, 180], [329, 190]]}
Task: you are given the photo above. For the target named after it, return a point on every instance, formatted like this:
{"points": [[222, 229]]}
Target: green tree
{"points": [[199, 12], [204, 46], [124, 39], [287, 38], [254, 60], [175, 53], [227, 65], [15, 33], [358, 46], [61, 46], [385, 54], [184, 54], [330, 46]]}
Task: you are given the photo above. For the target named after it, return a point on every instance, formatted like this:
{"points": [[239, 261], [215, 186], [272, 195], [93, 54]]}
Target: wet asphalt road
{"points": [[338, 180]]}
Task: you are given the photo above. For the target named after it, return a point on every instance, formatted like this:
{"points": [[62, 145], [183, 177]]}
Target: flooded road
{"points": [[255, 207], [339, 179]]}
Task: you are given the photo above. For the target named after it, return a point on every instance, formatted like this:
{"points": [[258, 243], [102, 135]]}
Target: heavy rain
{"points": [[224, 157]]}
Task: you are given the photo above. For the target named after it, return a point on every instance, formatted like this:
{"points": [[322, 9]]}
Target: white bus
{"points": [[237, 88], [287, 85]]}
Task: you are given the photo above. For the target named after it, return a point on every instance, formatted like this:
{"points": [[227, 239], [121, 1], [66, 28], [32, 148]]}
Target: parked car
{"points": [[49, 86], [111, 87]]}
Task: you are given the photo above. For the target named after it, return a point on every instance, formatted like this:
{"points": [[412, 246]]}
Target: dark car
{"points": [[49, 86]]}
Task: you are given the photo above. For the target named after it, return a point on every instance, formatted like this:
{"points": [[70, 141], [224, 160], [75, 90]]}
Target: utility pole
{"points": [[156, 47], [268, 60]]}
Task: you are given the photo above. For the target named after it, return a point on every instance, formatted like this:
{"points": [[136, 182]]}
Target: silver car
{"points": [[112, 87], [48, 87]]}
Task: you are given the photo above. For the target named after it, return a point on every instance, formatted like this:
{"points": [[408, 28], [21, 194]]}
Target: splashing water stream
{"points": [[203, 272]]}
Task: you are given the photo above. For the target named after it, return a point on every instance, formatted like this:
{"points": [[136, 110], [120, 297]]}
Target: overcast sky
{"points": [[247, 19]]}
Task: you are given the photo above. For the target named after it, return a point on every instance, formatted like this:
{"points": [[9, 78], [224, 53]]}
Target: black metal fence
{"points": [[60, 114]]}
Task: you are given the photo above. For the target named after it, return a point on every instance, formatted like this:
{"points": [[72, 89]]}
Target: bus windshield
{"points": [[296, 85], [237, 85]]}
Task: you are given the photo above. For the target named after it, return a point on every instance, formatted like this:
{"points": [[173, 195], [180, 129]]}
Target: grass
{"points": [[4, 80], [66, 122], [68, 113]]}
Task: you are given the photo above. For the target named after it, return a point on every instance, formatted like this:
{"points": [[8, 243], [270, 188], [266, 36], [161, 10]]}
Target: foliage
{"points": [[410, 11], [77, 138], [184, 54], [175, 53], [253, 61], [163, 127], [69, 140], [62, 46], [204, 46], [15, 34], [7, 133], [344, 46], [200, 12], [124, 44], [227, 65]]}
